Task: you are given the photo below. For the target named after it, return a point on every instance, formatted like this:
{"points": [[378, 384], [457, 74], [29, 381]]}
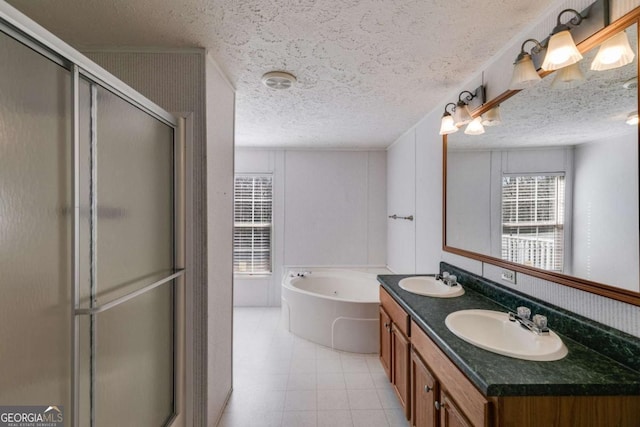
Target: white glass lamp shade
{"points": [[492, 117], [475, 127], [461, 115], [613, 53], [568, 77], [561, 52], [447, 125], [632, 118], [524, 73]]}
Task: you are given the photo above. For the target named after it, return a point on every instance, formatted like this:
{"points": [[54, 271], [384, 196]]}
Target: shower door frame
{"points": [[26, 31]]}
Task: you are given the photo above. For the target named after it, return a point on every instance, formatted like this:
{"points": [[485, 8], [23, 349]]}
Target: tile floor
{"points": [[282, 380]]}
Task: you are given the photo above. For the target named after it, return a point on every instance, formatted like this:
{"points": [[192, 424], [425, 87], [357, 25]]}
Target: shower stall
{"points": [[91, 239]]}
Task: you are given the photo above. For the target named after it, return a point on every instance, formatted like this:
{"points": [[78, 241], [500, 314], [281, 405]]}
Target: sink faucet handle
{"points": [[524, 312], [540, 321]]}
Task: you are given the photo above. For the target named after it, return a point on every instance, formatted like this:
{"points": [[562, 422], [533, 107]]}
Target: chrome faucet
{"points": [[447, 279], [538, 325], [300, 274]]}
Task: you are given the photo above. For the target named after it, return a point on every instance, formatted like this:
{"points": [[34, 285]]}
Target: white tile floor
{"points": [[282, 380]]}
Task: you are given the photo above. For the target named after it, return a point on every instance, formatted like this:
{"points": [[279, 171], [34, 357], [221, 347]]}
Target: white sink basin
{"points": [[429, 286], [492, 330]]}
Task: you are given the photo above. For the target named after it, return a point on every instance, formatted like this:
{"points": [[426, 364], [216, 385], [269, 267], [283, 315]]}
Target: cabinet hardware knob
{"points": [[437, 405], [386, 325], [427, 389]]}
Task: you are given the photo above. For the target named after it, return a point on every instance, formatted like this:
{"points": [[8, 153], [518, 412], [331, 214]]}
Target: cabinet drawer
{"points": [[470, 401], [397, 313]]}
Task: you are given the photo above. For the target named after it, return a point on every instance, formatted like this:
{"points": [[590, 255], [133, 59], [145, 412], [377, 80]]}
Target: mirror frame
{"points": [[602, 289]]}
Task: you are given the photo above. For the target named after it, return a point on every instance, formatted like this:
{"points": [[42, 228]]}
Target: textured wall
{"points": [[176, 82]]}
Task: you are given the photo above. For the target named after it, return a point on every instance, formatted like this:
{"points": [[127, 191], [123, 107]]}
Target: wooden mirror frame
{"points": [[601, 289]]}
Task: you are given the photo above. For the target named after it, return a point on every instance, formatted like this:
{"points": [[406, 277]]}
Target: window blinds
{"points": [[533, 220], [253, 202]]}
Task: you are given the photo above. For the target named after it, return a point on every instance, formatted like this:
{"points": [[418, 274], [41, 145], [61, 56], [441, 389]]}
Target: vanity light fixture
{"points": [[492, 117], [461, 114], [562, 50], [632, 118], [447, 124], [524, 72], [475, 127], [613, 53], [568, 77]]}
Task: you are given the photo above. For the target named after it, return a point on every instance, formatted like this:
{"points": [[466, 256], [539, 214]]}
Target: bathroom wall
{"points": [[188, 81], [425, 169], [335, 208]]}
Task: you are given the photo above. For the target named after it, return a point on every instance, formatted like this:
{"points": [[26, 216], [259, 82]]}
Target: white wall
{"points": [[607, 198], [220, 113], [334, 203], [401, 201], [424, 141]]}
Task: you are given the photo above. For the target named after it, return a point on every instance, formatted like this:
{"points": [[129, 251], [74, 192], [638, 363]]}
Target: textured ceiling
{"points": [[591, 110], [367, 69]]}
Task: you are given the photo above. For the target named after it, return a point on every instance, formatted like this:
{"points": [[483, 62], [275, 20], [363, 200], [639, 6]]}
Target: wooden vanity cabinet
{"points": [[385, 341], [425, 392], [436, 393], [395, 347], [450, 414], [459, 402]]}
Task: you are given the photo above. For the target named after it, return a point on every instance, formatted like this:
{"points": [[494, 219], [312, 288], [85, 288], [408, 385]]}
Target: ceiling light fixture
{"points": [[562, 50], [613, 53], [278, 80], [492, 117], [447, 125], [475, 127], [524, 72], [632, 118]]}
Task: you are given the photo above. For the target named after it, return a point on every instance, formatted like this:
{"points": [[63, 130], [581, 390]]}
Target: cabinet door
{"points": [[424, 393], [400, 370], [385, 341], [450, 414]]}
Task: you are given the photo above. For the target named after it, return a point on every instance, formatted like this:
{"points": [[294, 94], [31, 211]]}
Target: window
{"points": [[533, 220], [252, 231]]}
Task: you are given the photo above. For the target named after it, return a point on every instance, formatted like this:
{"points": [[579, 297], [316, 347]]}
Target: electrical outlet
{"points": [[509, 276]]}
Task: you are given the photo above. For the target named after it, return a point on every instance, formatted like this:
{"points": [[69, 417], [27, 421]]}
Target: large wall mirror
{"points": [[553, 190]]}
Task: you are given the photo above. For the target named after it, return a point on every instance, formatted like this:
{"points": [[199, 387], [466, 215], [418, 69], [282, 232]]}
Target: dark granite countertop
{"points": [[583, 371]]}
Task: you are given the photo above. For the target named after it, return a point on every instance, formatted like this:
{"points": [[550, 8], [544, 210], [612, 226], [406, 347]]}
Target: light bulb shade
{"points": [[561, 51], [632, 118], [568, 77], [524, 74], [461, 115], [475, 127], [492, 117], [447, 125], [613, 53]]}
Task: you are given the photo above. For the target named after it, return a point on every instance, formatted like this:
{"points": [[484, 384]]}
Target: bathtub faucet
{"points": [[300, 274]]}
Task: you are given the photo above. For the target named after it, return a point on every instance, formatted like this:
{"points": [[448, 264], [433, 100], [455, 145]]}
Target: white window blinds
{"points": [[253, 202], [533, 220]]}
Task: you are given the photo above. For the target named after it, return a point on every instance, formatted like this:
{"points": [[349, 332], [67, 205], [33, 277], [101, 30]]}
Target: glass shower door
{"points": [[90, 245], [36, 228], [132, 198]]}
